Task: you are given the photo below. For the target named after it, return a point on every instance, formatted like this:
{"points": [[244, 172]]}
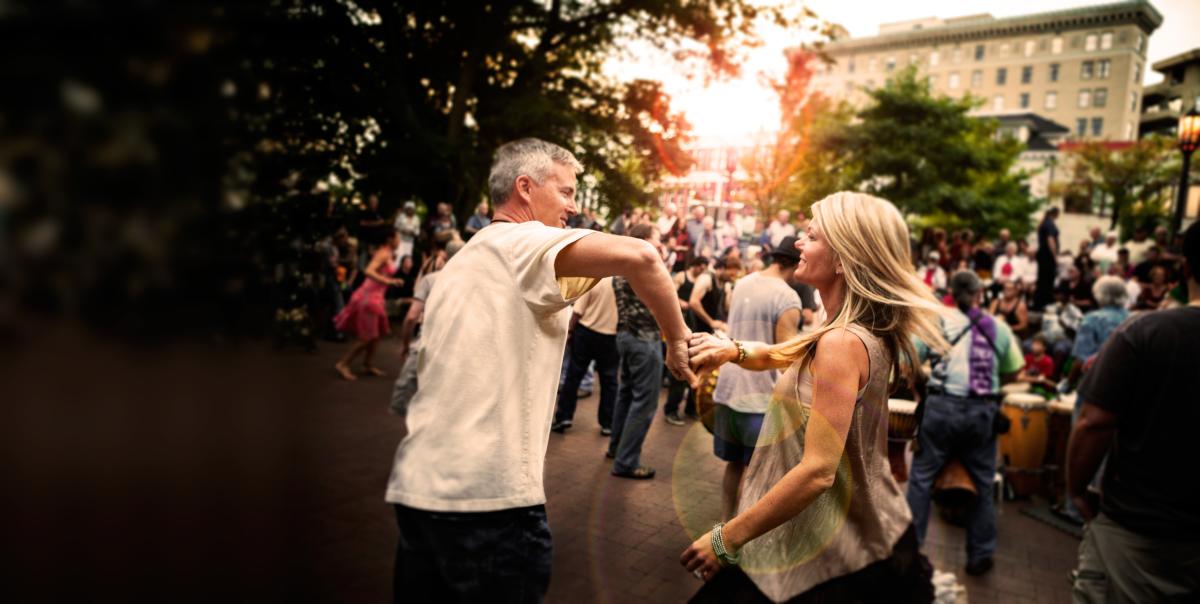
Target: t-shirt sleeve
{"points": [[786, 300], [1011, 359], [423, 288], [1111, 382], [531, 255]]}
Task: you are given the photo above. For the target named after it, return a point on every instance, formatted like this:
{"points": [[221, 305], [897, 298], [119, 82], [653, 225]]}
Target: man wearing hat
{"points": [[932, 273], [763, 308], [408, 224]]}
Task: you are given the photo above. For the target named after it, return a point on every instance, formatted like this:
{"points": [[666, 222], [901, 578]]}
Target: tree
{"points": [[1131, 178], [931, 158]]}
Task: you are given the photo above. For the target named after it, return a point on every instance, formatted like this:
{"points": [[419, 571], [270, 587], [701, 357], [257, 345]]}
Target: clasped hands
{"points": [[697, 354]]}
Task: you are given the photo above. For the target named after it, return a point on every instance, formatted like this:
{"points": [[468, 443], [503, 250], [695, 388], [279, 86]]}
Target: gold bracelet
{"points": [[742, 354]]}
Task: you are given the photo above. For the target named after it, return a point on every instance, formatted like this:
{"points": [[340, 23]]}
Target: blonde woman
{"points": [[820, 517]]}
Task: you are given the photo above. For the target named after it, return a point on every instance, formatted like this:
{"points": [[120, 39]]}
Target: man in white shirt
{"points": [[780, 227], [667, 220], [467, 479]]}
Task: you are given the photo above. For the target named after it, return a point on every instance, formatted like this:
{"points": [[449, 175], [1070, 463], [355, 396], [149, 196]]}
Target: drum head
{"points": [[1025, 401], [1062, 407], [1016, 388], [901, 406]]}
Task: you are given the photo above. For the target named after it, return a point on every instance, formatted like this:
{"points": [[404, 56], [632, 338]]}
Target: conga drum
{"points": [[954, 492], [902, 427], [1023, 448], [1059, 431], [705, 405]]}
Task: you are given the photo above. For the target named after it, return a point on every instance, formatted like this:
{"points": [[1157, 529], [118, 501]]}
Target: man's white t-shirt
{"points": [[494, 334], [778, 230]]}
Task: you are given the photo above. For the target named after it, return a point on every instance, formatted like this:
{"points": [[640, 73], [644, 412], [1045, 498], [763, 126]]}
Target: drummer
{"points": [[959, 413]]}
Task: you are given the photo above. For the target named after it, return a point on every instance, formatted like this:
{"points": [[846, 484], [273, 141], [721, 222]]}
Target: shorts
{"points": [[735, 434]]}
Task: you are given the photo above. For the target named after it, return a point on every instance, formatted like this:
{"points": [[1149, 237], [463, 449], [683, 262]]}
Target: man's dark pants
{"points": [[501, 556], [586, 346], [641, 380], [957, 428]]}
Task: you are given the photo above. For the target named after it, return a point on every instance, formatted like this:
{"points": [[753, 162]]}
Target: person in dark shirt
{"points": [[1047, 251], [639, 346], [1139, 408]]}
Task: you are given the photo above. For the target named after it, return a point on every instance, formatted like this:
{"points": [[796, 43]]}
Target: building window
{"points": [[1137, 72], [933, 59], [957, 55], [1051, 100], [1081, 126], [1129, 131], [890, 65], [1089, 43], [1054, 72], [1087, 70], [1026, 74], [1001, 76], [1004, 49], [871, 64], [1105, 67], [1024, 100], [979, 52], [998, 103], [932, 81], [1141, 43], [1085, 99], [1030, 46], [1133, 101], [1106, 40], [952, 80], [1097, 126], [1056, 45], [1100, 97], [850, 65], [976, 78]]}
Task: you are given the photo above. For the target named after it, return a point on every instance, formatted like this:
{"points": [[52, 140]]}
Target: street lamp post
{"points": [[1189, 140]]}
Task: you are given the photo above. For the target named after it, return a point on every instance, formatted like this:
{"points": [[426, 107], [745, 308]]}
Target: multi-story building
{"points": [[1176, 94], [1081, 68]]}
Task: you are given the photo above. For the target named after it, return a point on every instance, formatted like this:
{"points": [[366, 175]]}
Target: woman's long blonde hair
{"points": [[883, 292]]}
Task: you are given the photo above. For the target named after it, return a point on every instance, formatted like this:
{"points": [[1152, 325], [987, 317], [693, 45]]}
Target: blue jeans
{"points": [[637, 399], [588, 346], [957, 428], [501, 556]]}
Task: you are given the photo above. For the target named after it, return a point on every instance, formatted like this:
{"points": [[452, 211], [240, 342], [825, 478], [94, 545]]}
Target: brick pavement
{"points": [[247, 473], [619, 540]]}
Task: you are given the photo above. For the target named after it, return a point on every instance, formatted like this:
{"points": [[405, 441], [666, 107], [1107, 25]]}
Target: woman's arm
{"points": [[372, 271], [840, 364], [1022, 316], [708, 352]]}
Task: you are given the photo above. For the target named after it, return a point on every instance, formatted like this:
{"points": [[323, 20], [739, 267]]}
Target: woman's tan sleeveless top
{"points": [[851, 525]]}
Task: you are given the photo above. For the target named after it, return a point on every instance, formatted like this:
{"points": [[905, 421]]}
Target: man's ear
{"points": [[524, 187]]}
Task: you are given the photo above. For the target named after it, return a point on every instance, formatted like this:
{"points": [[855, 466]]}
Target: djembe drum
{"points": [[1023, 448], [902, 427], [1059, 432]]}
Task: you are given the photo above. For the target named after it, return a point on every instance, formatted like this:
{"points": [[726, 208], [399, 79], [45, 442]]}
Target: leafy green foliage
{"points": [[1132, 180]]}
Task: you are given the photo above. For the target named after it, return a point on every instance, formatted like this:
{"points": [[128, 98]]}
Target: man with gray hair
{"points": [[959, 413], [467, 479]]}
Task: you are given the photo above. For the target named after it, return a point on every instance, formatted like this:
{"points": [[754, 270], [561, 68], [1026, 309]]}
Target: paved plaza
{"points": [[260, 475], [615, 540]]}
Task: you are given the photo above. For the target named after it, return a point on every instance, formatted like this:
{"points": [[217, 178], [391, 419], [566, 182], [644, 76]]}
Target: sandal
{"points": [[639, 473]]}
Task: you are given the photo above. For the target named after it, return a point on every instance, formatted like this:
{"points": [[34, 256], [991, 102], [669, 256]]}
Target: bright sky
{"points": [[729, 109]]}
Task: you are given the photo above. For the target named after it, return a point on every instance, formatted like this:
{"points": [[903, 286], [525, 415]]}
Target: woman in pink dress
{"points": [[365, 315]]}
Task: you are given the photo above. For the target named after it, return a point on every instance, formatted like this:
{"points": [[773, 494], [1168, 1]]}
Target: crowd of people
{"points": [[755, 329]]}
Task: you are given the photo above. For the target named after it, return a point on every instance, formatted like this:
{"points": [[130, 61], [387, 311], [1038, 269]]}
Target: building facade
{"points": [[1176, 94], [1081, 68]]}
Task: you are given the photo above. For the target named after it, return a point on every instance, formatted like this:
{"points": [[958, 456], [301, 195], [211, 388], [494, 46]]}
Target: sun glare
{"points": [[729, 109]]}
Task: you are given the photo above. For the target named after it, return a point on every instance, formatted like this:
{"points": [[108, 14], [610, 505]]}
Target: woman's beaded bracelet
{"points": [[718, 545]]}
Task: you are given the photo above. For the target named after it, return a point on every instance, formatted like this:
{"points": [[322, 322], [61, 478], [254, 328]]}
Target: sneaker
{"points": [[605, 431], [639, 473], [561, 426], [674, 419], [979, 567]]}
